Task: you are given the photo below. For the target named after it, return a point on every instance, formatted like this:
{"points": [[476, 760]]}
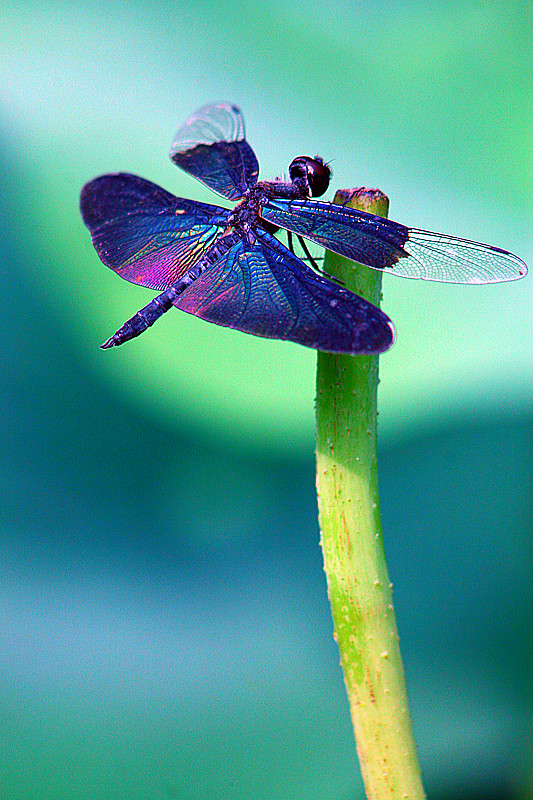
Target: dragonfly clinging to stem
{"points": [[226, 266]]}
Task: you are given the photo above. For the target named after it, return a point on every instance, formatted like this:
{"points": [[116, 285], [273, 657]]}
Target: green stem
{"points": [[358, 583]]}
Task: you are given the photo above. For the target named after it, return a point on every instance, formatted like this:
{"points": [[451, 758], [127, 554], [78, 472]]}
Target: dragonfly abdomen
{"points": [[142, 319], [151, 312]]}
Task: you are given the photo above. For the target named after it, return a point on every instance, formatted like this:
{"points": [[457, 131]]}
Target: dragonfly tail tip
{"points": [[109, 343]]}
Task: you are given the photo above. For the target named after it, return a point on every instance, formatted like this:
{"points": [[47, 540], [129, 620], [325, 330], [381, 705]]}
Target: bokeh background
{"points": [[165, 627]]}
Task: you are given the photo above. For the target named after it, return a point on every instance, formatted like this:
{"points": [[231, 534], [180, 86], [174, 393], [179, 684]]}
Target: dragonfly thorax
{"points": [[309, 178], [246, 214]]}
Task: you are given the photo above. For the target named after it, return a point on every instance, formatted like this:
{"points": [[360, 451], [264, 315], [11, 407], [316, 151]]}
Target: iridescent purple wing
{"points": [[266, 291], [211, 147], [145, 234], [391, 247]]}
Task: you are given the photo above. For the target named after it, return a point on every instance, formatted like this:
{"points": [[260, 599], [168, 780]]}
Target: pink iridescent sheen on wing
{"points": [[145, 234]]}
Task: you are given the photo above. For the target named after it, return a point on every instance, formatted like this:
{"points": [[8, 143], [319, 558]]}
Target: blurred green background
{"points": [[166, 633]]}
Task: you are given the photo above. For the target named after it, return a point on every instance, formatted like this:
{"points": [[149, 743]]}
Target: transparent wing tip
{"points": [[450, 259], [215, 122]]}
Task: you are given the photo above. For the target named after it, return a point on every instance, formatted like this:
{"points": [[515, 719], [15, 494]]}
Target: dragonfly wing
{"points": [[386, 245], [212, 147], [438, 257], [266, 291], [145, 234], [362, 237]]}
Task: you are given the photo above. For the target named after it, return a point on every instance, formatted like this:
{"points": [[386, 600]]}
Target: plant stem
{"points": [[354, 559]]}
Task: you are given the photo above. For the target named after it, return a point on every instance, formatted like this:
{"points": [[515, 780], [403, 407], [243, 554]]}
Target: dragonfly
{"points": [[226, 265]]}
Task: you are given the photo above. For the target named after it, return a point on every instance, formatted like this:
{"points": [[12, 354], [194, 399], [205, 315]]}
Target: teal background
{"points": [[166, 632]]}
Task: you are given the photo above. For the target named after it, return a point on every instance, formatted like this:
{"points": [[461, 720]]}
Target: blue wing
{"points": [[211, 147], [391, 247], [145, 234], [266, 291]]}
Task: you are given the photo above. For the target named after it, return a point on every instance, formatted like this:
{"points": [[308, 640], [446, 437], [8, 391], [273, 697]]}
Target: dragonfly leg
{"points": [[309, 257], [308, 254]]}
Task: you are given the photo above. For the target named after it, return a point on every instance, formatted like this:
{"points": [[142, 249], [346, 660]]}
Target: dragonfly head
{"points": [[315, 172]]}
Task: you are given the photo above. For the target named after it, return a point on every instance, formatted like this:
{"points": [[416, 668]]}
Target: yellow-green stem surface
{"points": [[354, 559]]}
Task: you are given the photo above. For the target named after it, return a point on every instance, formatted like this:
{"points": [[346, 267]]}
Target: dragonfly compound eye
{"points": [[314, 170]]}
